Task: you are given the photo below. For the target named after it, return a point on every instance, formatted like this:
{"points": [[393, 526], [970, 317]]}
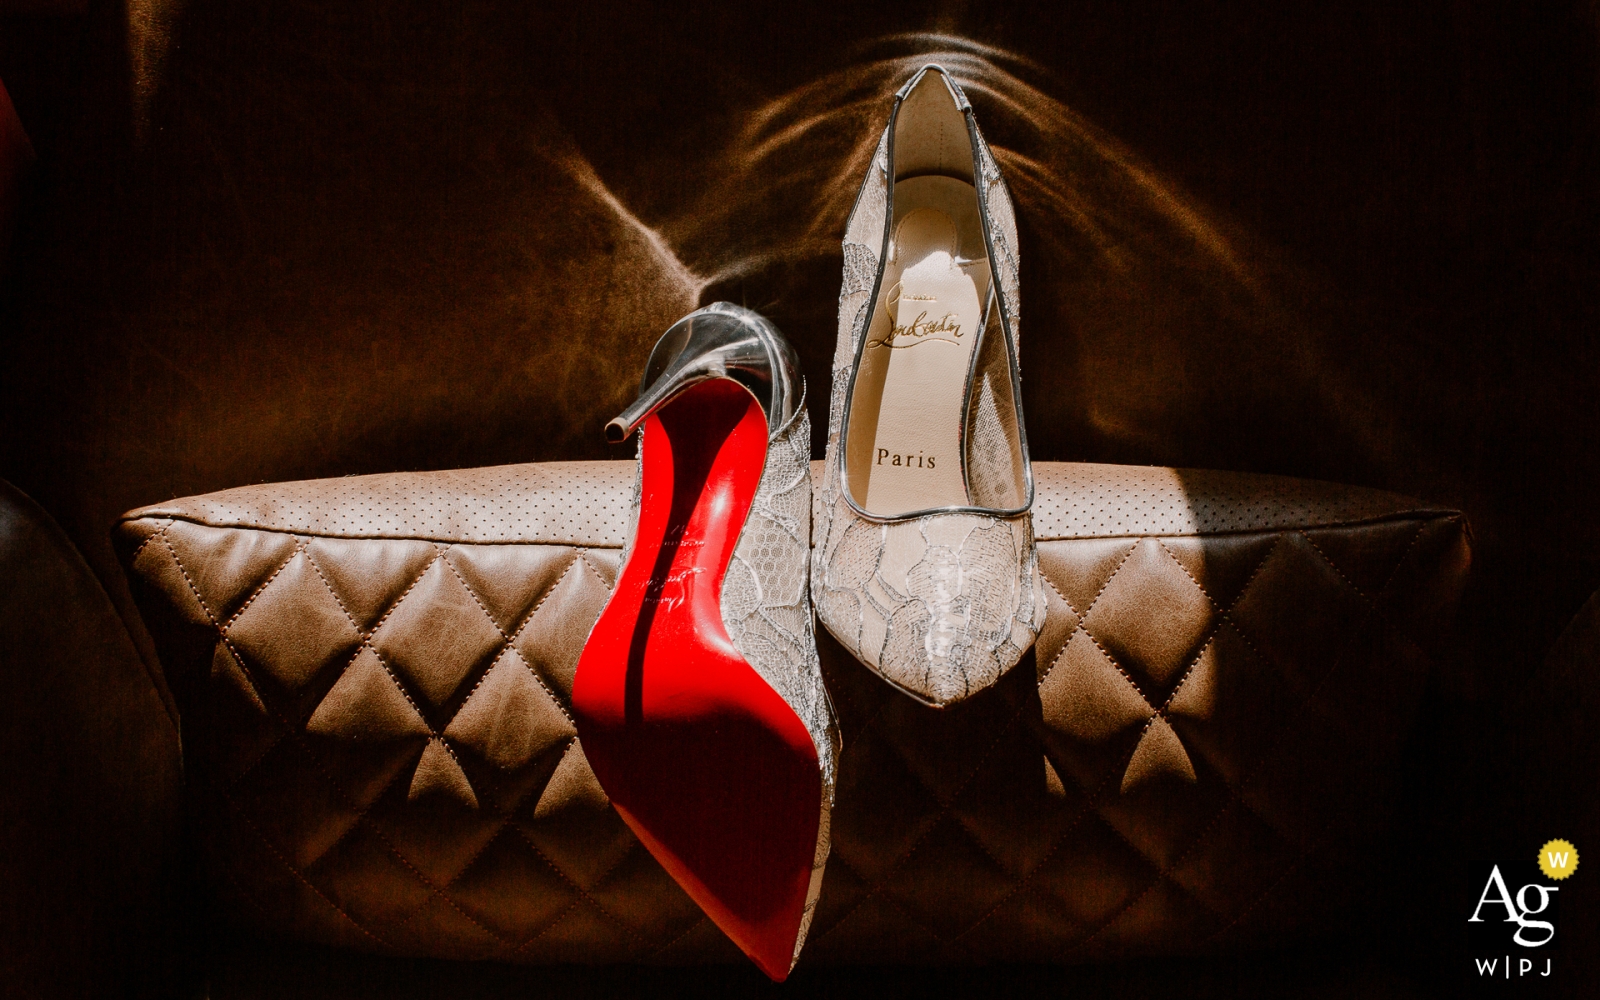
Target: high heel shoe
{"points": [[925, 565], [698, 696]]}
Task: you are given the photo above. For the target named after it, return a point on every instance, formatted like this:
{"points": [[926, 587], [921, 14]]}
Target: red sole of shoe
{"points": [[704, 761]]}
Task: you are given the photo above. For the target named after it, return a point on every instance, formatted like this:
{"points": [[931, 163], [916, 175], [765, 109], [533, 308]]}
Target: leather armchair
{"points": [[262, 245]]}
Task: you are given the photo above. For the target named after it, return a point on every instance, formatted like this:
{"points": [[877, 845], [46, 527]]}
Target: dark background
{"points": [[1356, 242]]}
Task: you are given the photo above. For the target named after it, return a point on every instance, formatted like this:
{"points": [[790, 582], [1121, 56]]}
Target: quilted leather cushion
{"points": [[374, 673]]}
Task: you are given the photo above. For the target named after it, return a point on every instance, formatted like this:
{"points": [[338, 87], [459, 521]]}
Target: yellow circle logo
{"points": [[1558, 859]]}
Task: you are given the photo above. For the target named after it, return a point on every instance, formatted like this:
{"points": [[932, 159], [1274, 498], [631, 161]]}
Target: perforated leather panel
{"points": [[373, 676]]}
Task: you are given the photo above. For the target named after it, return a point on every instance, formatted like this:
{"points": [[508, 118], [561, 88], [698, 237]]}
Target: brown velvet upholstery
{"points": [[375, 673]]}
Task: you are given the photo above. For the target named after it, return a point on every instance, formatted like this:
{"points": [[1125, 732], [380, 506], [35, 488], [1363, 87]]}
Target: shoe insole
{"points": [[935, 310]]}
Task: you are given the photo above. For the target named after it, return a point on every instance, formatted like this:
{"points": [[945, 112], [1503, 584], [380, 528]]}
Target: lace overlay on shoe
{"points": [[940, 605], [994, 456], [766, 608]]}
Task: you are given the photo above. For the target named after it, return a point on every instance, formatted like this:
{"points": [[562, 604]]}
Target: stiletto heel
{"points": [[698, 697], [719, 341]]}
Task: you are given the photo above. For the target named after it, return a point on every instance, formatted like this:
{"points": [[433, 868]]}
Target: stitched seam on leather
{"points": [[255, 686], [302, 547], [1371, 602], [907, 913], [296, 872], [1162, 873], [1042, 614], [1118, 667], [264, 585], [655, 952], [435, 890], [1252, 770], [874, 891], [1061, 838], [533, 611], [584, 894], [134, 555], [366, 640], [507, 640], [893, 867], [1095, 600], [1219, 615], [566, 543], [1052, 585], [475, 598], [383, 661], [547, 928], [362, 813], [1463, 532], [438, 553], [178, 562], [362, 816], [584, 555], [574, 742], [1315, 842], [1341, 574], [443, 891], [511, 641], [972, 835]]}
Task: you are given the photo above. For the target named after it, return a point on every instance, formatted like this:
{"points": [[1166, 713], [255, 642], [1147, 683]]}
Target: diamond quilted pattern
{"points": [[437, 635], [508, 860], [510, 717], [1222, 565], [225, 566], [366, 704], [300, 815], [1016, 807], [346, 874], [573, 825], [439, 773], [1228, 706], [293, 629], [374, 711], [1211, 870], [1092, 713], [949, 881], [234, 716], [441, 923], [1091, 875], [1151, 617], [501, 578], [641, 901], [1300, 613], [1159, 752], [368, 579], [554, 633]]}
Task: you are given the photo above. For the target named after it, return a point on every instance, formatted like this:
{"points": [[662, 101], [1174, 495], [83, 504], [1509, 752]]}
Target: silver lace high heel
{"points": [[925, 565], [698, 697]]}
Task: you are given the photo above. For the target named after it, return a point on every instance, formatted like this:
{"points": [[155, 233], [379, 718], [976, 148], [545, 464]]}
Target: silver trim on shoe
{"points": [[721, 340], [980, 184]]}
